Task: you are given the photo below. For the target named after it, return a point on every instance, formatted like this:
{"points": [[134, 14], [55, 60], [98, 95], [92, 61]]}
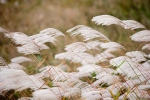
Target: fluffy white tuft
{"points": [[146, 46], [13, 66], [137, 56], [109, 20], [87, 32], [31, 48], [18, 79], [142, 36], [48, 94], [83, 58], [111, 45], [20, 38], [46, 35], [92, 95], [78, 47], [106, 20], [94, 44], [89, 69], [105, 56], [20, 59], [134, 54], [131, 24], [106, 79]]}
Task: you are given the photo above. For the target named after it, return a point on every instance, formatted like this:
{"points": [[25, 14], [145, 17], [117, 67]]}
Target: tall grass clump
{"points": [[94, 68]]}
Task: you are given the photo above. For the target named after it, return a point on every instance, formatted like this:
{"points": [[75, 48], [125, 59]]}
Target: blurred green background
{"points": [[32, 16]]}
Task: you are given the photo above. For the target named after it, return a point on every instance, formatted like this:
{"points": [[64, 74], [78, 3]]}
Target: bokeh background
{"points": [[32, 16]]}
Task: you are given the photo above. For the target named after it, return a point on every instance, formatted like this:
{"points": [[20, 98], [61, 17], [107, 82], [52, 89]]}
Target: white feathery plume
{"points": [[15, 79], [78, 47], [131, 24], [142, 75], [13, 66], [20, 59], [28, 45], [67, 83], [83, 58], [55, 73], [146, 46], [81, 46], [113, 50], [63, 76], [92, 95], [136, 73], [89, 69], [48, 71], [89, 88], [138, 59], [137, 56], [31, 48], [75, 28], [105, 93], [72, 93], [124, 65], [63, 67], [19, 38], [130, 68], [109, 20], [141, 36], [38, 81], [87, 59], [117, 61], [46, 35], [87, 33], [42, 38], [106, 20], [94, 44], [48, 94], [105, 56], [52, 31], [107, 78], [111, 45], [134, 54], [35, 43], [83, 76], [28, 49], [67, 56]]}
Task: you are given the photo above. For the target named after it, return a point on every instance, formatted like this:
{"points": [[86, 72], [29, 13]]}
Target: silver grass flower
{"points": [[87, 33], [109, 20], [20, 59], [141, 36]]}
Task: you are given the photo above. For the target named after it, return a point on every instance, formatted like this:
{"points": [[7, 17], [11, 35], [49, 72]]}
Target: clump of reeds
{"points": [[105, 70]]}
